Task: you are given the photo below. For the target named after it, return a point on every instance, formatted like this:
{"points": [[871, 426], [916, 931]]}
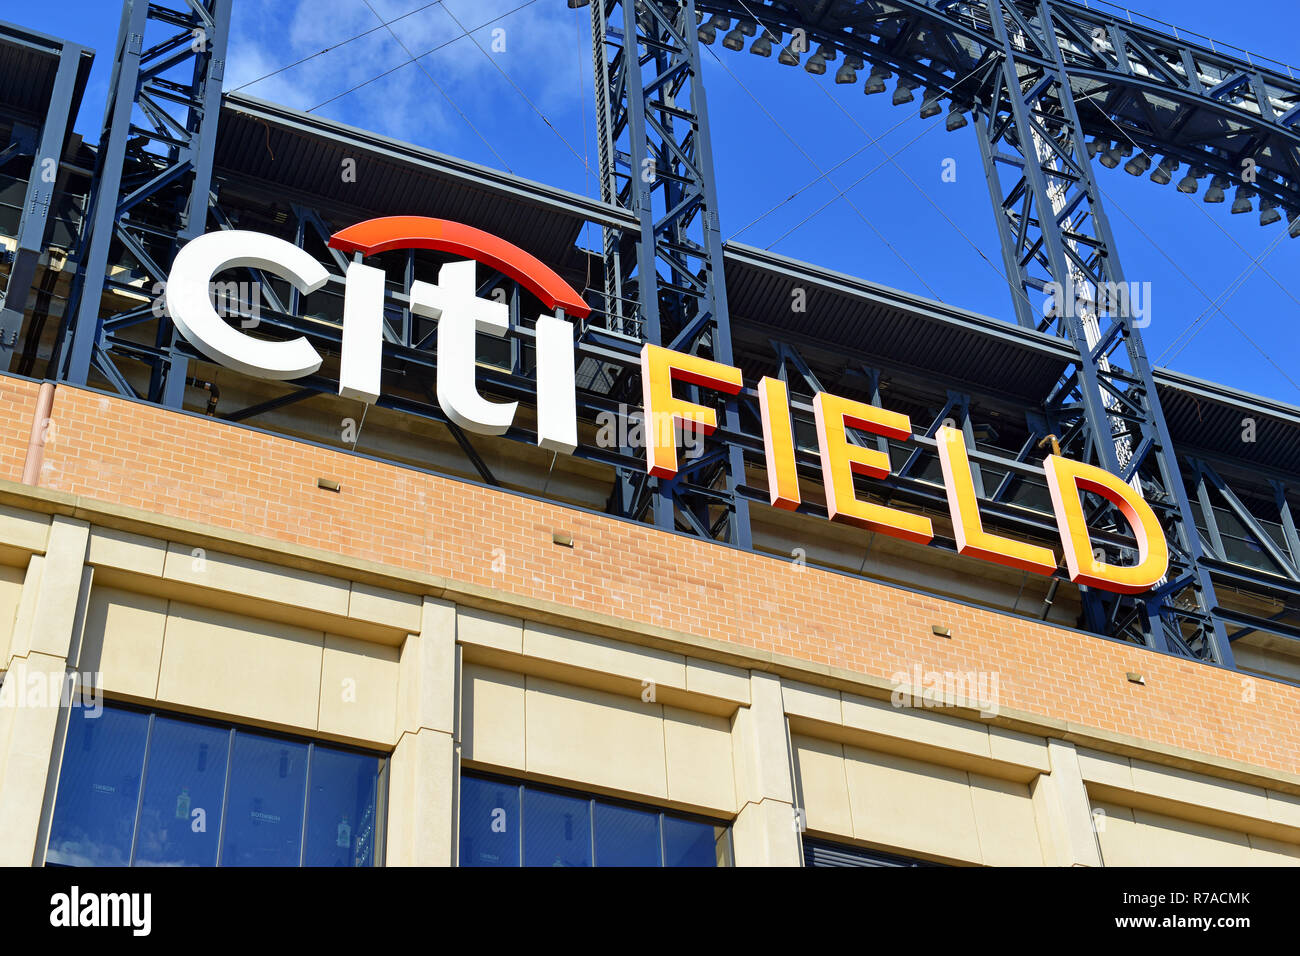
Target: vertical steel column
{"points": [[1056, 237], [156, 153], [657, 161], [38, 200]]}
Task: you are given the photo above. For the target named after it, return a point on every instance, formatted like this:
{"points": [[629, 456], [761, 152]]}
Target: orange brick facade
{"points": [[203, 470]]}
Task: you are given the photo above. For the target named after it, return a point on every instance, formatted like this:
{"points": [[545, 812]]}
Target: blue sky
{"points": [[528, 108]]}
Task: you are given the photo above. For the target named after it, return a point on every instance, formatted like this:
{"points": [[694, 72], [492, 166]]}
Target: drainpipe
{"points": [[36, 443]]}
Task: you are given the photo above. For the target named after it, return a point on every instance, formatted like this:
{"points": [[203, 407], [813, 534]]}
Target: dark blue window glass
{"points": [[557, 829], [564, 829], [341, 824], [268, 781], [184, 787], [689, 843], [626, 836], [152, 790], [489, 823], [99, 786]]}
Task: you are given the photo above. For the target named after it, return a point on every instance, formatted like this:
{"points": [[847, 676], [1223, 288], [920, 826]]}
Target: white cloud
{"points": [[547, 55]]}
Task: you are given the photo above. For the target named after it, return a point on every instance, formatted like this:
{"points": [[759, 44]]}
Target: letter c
{"points": [[191, 308]]}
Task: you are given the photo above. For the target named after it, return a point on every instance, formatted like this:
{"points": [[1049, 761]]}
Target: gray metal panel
{"points": [[283, 149], [29, 62], [899, 329], [1203, 415]]}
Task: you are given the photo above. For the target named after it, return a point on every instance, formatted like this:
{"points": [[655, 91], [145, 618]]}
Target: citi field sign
{"points": [[460, 314]]}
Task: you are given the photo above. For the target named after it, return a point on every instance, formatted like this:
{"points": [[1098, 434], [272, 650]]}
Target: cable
{"points": [[1198, 323], [817, 167], [445, 43], [582, 112], [802, 189], [439, 88], [501, 70], [875, 141], [856, 152], [336, 46], [852, 186]]}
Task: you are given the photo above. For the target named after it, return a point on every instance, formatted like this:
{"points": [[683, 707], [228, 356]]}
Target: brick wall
{"points": [[207, 471], [17, 405]]}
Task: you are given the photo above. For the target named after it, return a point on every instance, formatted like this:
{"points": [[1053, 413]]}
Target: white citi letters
{"points": [[451, 301], [191, 308], [460, 313]]}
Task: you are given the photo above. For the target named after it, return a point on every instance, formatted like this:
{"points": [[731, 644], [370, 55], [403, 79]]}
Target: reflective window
{"points": [[153, 790], [342, 810], [99, 787], [268, 783], [563, 828], [692, 843], [557, 829], [627, 836], [184, 790], [489, 822]]}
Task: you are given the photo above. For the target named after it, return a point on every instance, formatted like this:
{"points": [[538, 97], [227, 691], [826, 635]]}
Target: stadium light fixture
{"points": [[930, 104], [876, 80], [1191, 182], [1138, 165], [763, 45], [1164, 173], [1268, 213], [1241, 201], [903, 91], [735, 40], [1215, 192]]}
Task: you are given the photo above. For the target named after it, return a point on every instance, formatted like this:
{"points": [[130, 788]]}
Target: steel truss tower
{"points": [[155, 154], [1066, 277], [664, 285]]}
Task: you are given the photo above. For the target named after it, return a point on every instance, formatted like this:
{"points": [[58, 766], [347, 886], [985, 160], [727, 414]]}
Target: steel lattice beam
{"points": [[1056, 238], [1135, 86]]}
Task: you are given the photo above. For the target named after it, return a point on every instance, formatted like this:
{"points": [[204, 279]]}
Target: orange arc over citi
{"points": [[422, 232]]}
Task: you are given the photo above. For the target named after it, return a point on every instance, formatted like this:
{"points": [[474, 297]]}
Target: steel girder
{"points": [[664, 283], [153, 180]]}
